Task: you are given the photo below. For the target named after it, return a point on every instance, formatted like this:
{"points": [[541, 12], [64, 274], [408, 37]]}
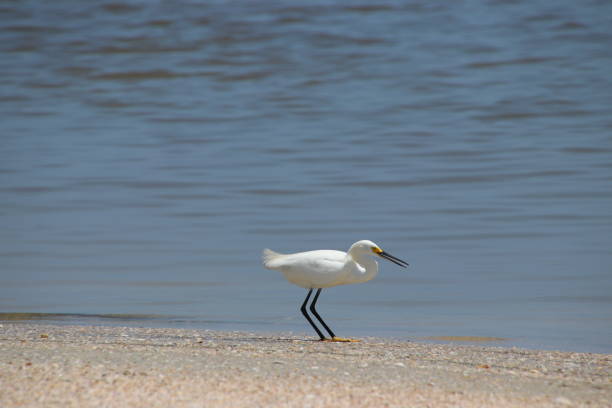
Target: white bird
{"points": [[327, 268]]}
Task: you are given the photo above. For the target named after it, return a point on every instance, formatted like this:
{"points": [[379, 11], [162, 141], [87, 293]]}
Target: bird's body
{"points": [[324, 268], [327, 268]]}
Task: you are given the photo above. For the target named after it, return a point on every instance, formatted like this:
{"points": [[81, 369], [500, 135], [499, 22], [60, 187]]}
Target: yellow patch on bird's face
{"points": [[376, 250]]}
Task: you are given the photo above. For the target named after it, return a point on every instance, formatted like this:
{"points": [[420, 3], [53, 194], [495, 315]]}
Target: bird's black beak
{"points": [[393, 259]]}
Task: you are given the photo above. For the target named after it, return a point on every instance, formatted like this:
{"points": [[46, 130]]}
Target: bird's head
{"points": [[366, 247]]}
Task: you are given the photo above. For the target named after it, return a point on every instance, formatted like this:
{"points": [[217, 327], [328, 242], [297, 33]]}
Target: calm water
{"points": [[150, 150]]}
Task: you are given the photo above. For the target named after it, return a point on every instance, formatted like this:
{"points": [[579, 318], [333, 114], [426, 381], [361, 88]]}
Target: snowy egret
{"points": [[326, 268]]}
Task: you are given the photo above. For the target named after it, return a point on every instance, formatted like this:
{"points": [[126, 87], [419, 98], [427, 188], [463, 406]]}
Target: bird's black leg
{"points": [[303, 309], [314, 312]]}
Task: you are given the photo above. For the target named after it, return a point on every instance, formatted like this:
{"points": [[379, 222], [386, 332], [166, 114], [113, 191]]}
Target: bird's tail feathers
{"points": [[268, 257]]}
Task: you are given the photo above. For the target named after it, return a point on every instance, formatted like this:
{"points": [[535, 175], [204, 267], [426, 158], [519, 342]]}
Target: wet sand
{"points": [[76, 366]]}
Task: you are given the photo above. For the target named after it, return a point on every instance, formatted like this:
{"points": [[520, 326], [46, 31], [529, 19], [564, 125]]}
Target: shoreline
{"points": [[166, 322], [52, 365]]}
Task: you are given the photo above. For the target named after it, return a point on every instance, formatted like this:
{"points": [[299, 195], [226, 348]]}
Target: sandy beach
{"points": [[75, 366]]}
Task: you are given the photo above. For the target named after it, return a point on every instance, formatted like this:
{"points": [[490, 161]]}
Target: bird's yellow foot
{"points": [[341, 340]]}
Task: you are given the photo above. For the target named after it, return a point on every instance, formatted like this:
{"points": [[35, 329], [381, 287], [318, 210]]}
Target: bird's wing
{"points": [[320, 261], [312, 269]]}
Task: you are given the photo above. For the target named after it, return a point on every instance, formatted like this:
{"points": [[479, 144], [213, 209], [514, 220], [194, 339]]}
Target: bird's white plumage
{"points": [[326, 268]]}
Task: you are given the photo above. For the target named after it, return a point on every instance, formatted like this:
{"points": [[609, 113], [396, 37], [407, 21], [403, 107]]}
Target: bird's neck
{"points": [[369, 268]]}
